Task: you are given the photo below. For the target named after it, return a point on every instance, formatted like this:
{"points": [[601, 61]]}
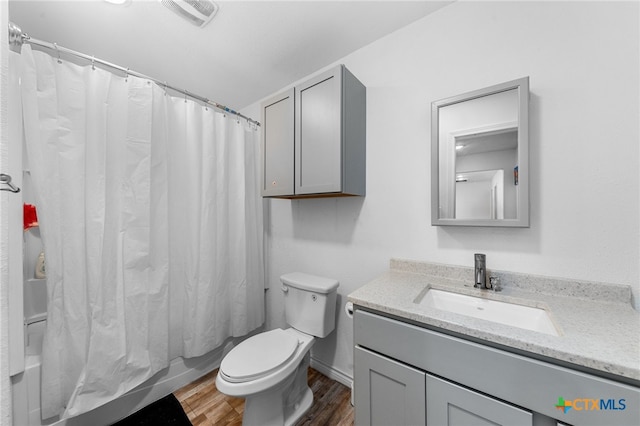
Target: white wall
{"points": [[5, 387], [583, 61]]}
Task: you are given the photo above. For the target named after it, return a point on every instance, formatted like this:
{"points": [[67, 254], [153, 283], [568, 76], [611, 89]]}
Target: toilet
{"points": [[269, 369]]}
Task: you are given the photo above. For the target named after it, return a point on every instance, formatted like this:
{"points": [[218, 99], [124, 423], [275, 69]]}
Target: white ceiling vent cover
{"points": [[198, 12]]}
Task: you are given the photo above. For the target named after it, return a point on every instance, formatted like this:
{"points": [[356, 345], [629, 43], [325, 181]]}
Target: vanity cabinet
{"points": [[314, 138], [465, 382], [389, 392], [448, 403], [392, 393]]}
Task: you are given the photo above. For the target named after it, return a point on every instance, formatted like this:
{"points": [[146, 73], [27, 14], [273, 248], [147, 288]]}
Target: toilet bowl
{"points": [[269, 369]]}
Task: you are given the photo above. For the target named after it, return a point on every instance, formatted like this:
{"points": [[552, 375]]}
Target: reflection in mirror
{"points": [[480, 157], [484, 155], [480, 195]]}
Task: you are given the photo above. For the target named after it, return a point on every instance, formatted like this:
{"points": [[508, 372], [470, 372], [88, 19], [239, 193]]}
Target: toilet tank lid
{"points": [[310, 282]]}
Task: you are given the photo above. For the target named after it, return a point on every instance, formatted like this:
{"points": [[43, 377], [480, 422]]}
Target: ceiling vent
{"points": [[198, 12]]}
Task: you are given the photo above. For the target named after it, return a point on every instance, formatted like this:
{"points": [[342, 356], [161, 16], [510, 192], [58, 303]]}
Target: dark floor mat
{"points": [[164, 412]]}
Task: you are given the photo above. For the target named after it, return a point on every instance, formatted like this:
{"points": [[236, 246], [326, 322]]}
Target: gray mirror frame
{"points": [[522, 85]]}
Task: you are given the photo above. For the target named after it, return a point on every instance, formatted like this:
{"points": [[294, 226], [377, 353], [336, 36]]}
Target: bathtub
{"points": [[26, 386]]}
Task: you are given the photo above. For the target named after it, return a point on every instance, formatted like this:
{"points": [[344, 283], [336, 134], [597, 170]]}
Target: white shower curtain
{"points": [[151, 223]]}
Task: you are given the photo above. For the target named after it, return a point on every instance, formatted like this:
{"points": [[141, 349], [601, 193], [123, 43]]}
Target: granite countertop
{"points": [[598, 327]]}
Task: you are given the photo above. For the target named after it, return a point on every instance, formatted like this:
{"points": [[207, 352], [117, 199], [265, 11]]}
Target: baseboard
{"points": [[331, 372]]}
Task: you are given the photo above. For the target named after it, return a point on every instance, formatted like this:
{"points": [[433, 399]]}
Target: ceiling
{"points": [[481, 143], [249, 50]]}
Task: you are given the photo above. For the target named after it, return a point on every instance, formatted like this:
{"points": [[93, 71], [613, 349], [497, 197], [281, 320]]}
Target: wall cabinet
{"points": [[314, 138], [277, 145], [406, 374]]}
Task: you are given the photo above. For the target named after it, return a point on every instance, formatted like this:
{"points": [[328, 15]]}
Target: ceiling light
{"points": [[119, 2], [198, 12]]}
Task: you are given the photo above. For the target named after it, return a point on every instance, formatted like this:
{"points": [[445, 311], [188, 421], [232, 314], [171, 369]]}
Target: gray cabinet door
{"points": [[277, 145], [453, 405], [318, 142], [314, 138], [387, 392]]}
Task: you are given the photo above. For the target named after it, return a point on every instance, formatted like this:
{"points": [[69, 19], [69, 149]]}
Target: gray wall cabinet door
{"points": [[314, 138], [277, 145], [387, 392], [318, 134], [453, 405]]}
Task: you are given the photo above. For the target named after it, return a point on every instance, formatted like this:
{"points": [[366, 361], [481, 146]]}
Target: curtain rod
{"points": [[17, 38]]}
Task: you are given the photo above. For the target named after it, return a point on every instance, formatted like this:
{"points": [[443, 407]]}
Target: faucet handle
{"points": [[494, 283]]}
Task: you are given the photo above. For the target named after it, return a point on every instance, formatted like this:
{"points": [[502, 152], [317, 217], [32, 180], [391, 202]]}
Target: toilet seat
{"points": [[258, 356]]}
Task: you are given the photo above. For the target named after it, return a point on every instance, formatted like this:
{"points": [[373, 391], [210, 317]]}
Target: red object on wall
{"points": [[30, 216]]}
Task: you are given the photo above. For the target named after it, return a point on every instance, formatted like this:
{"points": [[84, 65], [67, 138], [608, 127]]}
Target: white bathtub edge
{"points": [[179, 373], [26, 405]]}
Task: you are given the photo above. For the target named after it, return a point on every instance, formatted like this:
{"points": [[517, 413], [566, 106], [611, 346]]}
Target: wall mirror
{"points": [[480, 157]]}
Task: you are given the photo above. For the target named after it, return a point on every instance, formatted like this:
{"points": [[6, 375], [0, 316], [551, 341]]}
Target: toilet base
{"points": [[283, 405]]}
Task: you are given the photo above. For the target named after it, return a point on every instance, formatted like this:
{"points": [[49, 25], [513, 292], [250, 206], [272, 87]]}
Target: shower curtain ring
{"points": [[185, 96], [126, 75], [206, 104], [55, 45], [93, 62]]}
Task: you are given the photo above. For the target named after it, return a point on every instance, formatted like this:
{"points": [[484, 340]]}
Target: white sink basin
{"points": [[521, 316]]}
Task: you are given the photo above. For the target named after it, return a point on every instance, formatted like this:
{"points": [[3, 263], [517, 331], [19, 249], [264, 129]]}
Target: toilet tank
{"points": [[310, 303]]}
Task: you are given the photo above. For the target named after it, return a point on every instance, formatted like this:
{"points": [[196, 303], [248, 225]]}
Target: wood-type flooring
{"points": [[205, 405]]}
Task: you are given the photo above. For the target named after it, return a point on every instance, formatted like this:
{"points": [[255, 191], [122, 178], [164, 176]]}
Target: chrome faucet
{"points": [[480, 271]]}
